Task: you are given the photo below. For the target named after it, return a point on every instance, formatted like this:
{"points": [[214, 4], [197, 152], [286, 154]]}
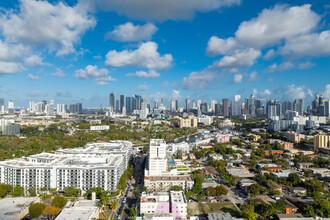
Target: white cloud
{"points": [[34, 60], [59, 72], [217, 46], [255, 91], [91, 72], [144, 74], [10, 52], [237, 78], [10, 67], [253, 76], [33, 77], [305, 65], [104, 80], [176, 94], [315, 44], [282, 67], [292, 92], [275, 24], [288, 65], [142, 87], [128, 32], [145, 56], [63, 94], [265, 94], [270, 54], [310, 93], [100, 75], [326, 92], [159, 10], [197, 80], [57, 26], [239, 59], [37, 93]]}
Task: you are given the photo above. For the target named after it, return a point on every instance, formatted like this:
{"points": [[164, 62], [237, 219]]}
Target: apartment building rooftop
{"points": [[99, 148], [70, 161], [178, 197]]}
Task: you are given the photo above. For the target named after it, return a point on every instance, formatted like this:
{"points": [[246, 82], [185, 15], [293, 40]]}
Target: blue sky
{"points": [[212, 49]]}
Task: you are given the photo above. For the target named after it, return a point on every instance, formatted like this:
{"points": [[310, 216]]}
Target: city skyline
{"points": [[220, 53]]}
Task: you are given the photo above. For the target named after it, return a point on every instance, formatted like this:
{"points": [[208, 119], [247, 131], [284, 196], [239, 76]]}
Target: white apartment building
{"points": [[157, 157], [123, 148], [183, 147], [95, 165], [59, 171], [61, 109], [99, 128]]}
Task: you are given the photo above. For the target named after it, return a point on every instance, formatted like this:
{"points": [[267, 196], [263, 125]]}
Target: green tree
{"points": [[133, 211], [35, 209], [51, 211], [294, 179], [221, 190], [18, 191], [59, 201], [200, 196], [176, 188], [255, 189], [265, 210], [246, 208], [250, 216], [210, 191], [199, 154], [5, 189], [104, 200], [189, 194], [71, 192], [137, 192], [32, 192], [114, 205], [280, 207]]}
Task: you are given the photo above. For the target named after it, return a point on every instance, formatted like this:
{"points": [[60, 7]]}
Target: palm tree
{"points": [[105, 201], [114, 205]]}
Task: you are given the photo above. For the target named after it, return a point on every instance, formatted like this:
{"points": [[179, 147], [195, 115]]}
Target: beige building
{"points": [[292, 136], [164, 183], [321, 141], [190, 122]]}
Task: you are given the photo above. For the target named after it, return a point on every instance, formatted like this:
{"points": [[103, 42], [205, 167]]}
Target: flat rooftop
{"points": [[56, 160], [170, 178], [114, 147], [11, 207], [178, 197], [81, 210]]}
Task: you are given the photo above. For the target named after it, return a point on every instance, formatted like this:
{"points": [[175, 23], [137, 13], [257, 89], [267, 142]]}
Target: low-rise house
{"points": [[216, 156], [271, 152], [241, 172], [301, 191], [289, 207], [282, 173], [270, 167], [245, 183]]}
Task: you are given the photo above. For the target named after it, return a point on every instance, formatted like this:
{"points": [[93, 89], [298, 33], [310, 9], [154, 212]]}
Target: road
{"points": [[129, 199]]}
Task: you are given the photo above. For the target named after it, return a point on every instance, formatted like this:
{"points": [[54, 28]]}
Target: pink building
{"points": [[223, 138]]}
